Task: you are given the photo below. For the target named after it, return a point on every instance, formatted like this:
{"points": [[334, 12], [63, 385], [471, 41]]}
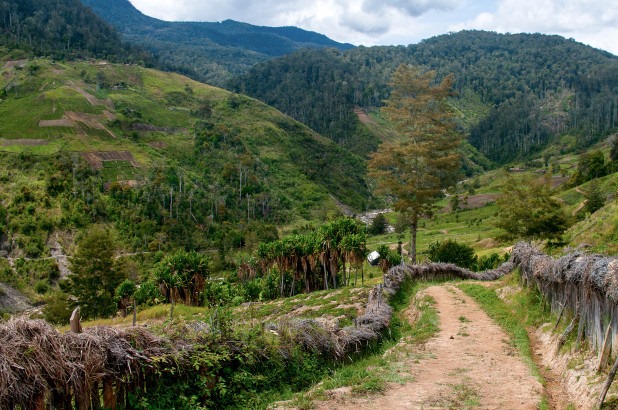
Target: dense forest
{"points": [[209, 52], [516, 91], [61, 29]]}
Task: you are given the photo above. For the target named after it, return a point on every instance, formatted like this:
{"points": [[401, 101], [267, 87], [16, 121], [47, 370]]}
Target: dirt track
{"points": [[469, 364]]}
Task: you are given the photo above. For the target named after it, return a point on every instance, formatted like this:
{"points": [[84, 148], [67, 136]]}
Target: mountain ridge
{"points": [[517, 92], [218, 49]]}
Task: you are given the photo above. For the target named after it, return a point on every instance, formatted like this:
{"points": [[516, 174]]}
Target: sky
{"points": [[403, 22]]}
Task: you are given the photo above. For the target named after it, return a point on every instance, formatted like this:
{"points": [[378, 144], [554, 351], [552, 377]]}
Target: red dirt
{"points": [[96, 159], [470, 363], [23, 142]]}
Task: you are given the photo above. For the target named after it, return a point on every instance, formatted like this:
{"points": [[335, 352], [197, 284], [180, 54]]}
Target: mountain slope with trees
{"points": [[517, 92], [209, 52], [61, 29], [169, 161]]}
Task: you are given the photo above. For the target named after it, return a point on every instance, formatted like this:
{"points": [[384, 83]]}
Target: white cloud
{"points": [[593, 22], [372, 22], [413, 8]]}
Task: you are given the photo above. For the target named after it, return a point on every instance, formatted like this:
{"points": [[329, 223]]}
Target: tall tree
{"points": [[416, 168], [96, 274]]}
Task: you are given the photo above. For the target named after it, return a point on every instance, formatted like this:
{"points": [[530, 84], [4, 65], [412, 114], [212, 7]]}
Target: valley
{"points": [[203, 198]]}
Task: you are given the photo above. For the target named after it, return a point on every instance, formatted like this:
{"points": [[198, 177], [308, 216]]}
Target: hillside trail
{"points": [[470, 363]]}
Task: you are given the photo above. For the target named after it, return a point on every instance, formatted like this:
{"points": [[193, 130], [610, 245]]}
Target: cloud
{"points": [[372, 22], [594, 21], [412, 8]]}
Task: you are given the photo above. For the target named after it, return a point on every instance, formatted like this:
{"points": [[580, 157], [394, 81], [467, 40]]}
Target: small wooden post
{"points": [[76, 326], [581, 328], [109, 398], [95, 396], [608, 383], [134, 312], [565, 334], [607, 344], [559, 317]]}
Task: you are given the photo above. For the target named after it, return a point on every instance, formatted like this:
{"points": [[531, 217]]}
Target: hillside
{"points": [[209, 52], [166, 160], [517, 92], [62, 29]]}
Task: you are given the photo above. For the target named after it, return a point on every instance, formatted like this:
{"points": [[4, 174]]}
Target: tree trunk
{"points": [[413, 230]]}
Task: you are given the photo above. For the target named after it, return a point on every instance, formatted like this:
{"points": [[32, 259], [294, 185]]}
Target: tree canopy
{"points": [[414, 169], [96, 273], [528, 210]]}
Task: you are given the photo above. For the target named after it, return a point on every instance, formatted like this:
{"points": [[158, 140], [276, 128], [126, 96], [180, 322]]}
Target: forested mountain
{"points": [[209, 52], [516, 91], [60, 29]]}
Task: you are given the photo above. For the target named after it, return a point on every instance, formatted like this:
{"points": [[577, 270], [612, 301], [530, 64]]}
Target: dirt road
{"points": [[469, 364]]}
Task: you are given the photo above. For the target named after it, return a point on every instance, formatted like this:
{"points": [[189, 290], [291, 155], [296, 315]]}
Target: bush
{"points": [[56, 309], [489, 262], [41, 287], [450, 251], [378, 225], [148, 294]]}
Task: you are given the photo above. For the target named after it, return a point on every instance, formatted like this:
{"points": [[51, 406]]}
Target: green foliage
{"points": [[223, 182], [415, 169], [378, 225], [209, 52], [491, 261], [388, 257], [513, 99], [63, 29], [591, 165], [182, 276], [56, 309], [528, 210], [450, 251], [147, 294], [95, 273], [315, 258], [595, 198]]}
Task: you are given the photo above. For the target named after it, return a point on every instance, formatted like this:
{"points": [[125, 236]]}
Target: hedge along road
{"points": [[468, 364]]}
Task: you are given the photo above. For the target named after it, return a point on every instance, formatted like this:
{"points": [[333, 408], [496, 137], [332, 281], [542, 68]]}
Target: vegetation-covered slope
{"points": [[517, 92], [60, 29], [171, 162], [209, 52]]}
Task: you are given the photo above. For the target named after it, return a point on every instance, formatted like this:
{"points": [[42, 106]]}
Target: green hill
{"points": [[167, 160], [517, 92], [209, 52]]}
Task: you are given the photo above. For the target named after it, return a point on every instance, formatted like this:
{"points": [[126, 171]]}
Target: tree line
{"points": [[516, 91]]}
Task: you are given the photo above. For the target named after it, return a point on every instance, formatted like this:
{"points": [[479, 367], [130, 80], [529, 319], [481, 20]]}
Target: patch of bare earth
{"points": [[92, 99], [23, 142], [96, 159], [15, 63], [62, 122], [468, 364]]}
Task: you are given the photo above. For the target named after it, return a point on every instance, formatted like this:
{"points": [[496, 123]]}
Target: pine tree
{"points": [[96, 274], [416, 168]]}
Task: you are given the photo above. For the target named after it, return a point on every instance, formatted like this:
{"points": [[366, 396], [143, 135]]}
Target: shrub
{"points": [[378, 225], [453, 252]]}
